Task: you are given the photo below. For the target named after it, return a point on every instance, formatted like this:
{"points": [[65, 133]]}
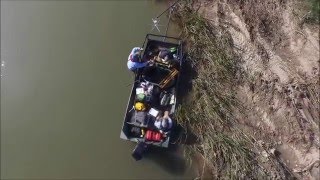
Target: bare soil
{"points": [[280, 80]]}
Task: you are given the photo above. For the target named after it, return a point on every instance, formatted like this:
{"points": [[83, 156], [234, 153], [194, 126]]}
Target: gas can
{"points": [[148, 135], [157, 136]]}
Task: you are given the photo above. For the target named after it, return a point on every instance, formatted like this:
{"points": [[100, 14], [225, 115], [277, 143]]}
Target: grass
{"points": [[209, 109], [308, 11], [315, 11]]}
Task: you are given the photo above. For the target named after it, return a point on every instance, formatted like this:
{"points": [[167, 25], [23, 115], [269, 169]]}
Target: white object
{"points": [[167, 123], [172, 100], [153, 112], [139, 91], [143, 84], [175, 56], [156, 24], [150, 88], [157, 124]]}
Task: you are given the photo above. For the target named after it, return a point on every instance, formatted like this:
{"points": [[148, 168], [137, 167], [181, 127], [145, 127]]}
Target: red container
{"points": [[153, 136], [157, 136], [149, 135]]}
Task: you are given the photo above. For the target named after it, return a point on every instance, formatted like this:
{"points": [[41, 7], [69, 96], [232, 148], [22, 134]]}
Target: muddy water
{"points": [[64, 88]]}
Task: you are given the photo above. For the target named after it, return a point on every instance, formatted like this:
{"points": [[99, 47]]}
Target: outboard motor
{"points": [[139, 150]]}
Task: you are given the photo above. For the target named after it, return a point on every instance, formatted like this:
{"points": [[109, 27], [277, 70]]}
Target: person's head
{"points": [[149, 56], [135, 57], [160, 115]]}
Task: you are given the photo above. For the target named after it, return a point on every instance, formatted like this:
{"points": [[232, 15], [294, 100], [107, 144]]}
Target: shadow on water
{"points": [[172, 159], [182, 136]]}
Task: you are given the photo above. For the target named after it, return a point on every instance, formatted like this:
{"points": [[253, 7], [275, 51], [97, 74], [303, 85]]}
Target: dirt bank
{"points": [[273, 79]]}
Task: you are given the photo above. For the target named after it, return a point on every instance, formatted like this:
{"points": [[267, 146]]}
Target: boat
{"points": [[154, 96]]}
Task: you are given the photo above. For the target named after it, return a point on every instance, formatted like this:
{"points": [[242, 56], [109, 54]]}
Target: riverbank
{"points": [[252, 83]]}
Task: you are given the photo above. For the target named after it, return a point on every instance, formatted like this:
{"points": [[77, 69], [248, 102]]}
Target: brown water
{"points": [[64, 90]]}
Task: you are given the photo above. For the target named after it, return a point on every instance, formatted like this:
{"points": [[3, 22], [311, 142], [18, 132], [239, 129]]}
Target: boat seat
{"points": [[139, 118], [137, 124]]}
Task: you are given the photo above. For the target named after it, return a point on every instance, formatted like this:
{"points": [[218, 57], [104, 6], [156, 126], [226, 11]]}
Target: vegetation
{"points": [[314, 15], [225, 149], [308, 11], [228, 150]]}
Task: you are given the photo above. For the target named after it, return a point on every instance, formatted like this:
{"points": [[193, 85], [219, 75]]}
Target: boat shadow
{"points": [[172, 159]]}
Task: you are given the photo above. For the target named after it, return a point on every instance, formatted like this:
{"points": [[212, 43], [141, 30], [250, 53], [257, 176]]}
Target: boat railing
{"points": [[167, 39]]}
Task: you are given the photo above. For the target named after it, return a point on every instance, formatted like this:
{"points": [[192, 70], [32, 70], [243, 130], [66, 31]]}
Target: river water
{"points": [[64, 88]]}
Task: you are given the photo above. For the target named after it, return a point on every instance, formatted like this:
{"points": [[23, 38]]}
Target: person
{"points": [[134, 60], [166, 54], [164, 123]]}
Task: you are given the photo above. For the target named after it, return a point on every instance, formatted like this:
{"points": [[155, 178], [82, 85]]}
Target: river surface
{"points": [[64, 89]]}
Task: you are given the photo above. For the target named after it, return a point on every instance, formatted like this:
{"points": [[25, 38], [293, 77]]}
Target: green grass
{"points": [[313, 11]]}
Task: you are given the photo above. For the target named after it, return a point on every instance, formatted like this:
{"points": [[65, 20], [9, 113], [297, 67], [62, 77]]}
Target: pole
{"points": [[168, 8], [168, 24]]}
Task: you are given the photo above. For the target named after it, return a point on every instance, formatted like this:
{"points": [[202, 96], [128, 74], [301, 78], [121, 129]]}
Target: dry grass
{"points": [[311, 9], [208, 111], [226, 150]]}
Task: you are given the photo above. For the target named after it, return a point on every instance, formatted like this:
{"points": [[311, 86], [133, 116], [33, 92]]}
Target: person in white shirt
{"points": [[164, 124]]}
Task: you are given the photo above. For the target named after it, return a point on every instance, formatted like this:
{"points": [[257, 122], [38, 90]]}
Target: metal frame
{"points": [[148, 37]]}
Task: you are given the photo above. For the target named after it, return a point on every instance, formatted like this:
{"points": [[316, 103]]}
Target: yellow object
{"points": [[140, 106], [142, 133], [167, 79]]}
